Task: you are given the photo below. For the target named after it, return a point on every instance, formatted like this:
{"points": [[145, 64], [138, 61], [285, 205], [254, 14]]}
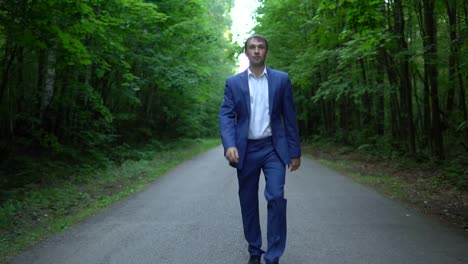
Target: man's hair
{"points": [[258, 37]]}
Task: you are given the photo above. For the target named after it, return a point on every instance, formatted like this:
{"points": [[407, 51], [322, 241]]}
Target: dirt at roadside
{"points": [[420, 189]]}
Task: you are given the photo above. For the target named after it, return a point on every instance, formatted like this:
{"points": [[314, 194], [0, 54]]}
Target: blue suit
{"points": [[270, 155]]}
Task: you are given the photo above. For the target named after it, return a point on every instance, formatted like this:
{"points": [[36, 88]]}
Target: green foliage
{"points": [[346, 65], [87, 74], [457, 173], [7, 214]]}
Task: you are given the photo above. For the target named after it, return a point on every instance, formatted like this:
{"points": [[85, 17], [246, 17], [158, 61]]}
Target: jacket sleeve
{"points": [[290, 122], [227, 118]]}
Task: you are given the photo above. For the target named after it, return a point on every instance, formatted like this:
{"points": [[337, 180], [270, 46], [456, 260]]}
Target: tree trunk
{"points": [[453, 65], [329, 117], [407, 125], [427, 108], [395, 113], [9, 57], [426, 122], [345, 118], [380, 98], [430, 62], [47, 90], [462, 93], [11, 53], [366, 98]]}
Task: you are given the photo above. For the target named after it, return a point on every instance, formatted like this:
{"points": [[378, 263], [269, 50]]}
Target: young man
{"points": [[259, 133]]}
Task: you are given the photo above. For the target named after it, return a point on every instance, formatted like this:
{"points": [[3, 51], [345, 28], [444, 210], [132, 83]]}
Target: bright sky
{"points": [[242, 24]]}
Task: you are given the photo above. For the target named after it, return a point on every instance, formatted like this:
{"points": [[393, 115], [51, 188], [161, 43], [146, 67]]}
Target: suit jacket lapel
{"points": [[245, 88]]}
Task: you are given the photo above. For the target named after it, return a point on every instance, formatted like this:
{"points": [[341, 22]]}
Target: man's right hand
{"points": [[232, 155]]}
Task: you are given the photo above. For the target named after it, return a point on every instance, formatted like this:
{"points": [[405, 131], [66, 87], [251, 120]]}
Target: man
{"points": [[259, 133]]}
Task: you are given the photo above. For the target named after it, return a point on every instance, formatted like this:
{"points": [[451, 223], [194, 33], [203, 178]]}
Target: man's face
{"points": [[256, 51]]}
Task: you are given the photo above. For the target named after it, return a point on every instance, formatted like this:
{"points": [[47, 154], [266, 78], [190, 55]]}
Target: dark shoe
{"points": [[254, 260]]}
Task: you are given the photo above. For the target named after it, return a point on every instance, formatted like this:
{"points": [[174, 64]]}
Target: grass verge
{"points": [[32, 214]]}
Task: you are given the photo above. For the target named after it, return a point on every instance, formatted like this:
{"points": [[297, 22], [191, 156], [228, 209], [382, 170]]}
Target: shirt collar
{"points": [[250, 73]]}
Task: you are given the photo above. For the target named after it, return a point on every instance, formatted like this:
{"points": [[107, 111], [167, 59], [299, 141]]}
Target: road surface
{"points": [[192, 215]]}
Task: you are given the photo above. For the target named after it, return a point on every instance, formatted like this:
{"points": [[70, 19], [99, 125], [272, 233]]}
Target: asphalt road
{"points": [[192, 215]]}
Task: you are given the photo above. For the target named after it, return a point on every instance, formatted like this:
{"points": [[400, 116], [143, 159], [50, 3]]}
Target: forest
{"points": [[388, 77], [83, 78], [90, 79]]}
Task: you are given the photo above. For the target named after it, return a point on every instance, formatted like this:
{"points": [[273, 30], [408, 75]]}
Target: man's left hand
{"points": [[294, 165]]}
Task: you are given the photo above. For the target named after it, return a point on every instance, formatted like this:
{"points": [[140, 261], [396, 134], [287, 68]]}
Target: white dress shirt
{"points": [[259, 126]]}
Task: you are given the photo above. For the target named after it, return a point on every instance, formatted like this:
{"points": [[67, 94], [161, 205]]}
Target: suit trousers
{"points": [[261, 156]]}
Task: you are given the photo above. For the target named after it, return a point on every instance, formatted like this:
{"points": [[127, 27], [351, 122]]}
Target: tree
{"points": [[363, 76], [78, 77]]}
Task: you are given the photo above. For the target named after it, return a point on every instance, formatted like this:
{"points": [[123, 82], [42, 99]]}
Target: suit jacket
{"points": [[234, 115]]}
